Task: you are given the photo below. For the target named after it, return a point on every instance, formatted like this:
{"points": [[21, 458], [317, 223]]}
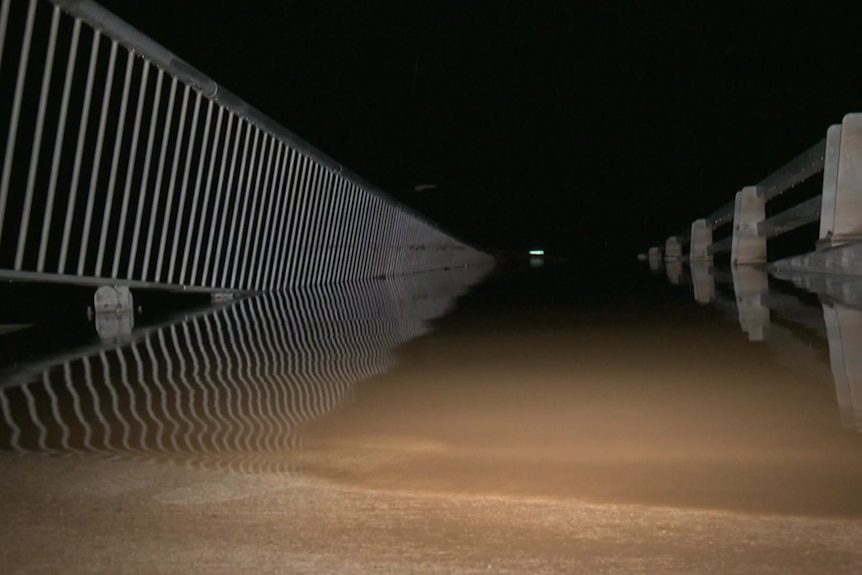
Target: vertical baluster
{"points": [[219, 214], [224, 141], [333, 237], [254, 214], [58, 144], [97, 159], [181, 207], [79, 151], [112, 179], [37, 140], [226, 256], [351, 238], [130, 170], [268, 210], [172, 182], [193, 219], [303, 217], [16, 112], [310, 233], [246, 191], [274, 227], [361, 248], [321, 229], [4, 21], [395, 245], [145, 178], [292, 231], [283, 230]]}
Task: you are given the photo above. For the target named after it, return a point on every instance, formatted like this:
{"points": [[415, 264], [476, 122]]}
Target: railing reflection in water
{"points": [[226, 385], [837, 318]]}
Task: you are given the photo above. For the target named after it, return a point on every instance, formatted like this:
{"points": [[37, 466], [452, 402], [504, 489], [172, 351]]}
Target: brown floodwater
{"points": [[667, 406], [538, 422]]}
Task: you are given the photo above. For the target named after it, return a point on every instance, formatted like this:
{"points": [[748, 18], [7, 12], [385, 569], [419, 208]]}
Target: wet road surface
{"points": [[545, 421]]}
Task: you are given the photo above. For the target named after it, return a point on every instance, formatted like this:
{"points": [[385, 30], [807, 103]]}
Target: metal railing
{"points": [[124, 164]]}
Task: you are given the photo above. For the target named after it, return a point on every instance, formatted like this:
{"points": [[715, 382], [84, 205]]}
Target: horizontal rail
{"points": [[70, 279], [803, 213], [721, 216], [720, 246], [795, 171]]}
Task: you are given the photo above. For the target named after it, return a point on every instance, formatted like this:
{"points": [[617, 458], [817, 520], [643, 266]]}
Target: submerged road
{"points": [[546, 424]]}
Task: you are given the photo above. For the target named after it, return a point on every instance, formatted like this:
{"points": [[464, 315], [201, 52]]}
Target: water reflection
{"points": [[673, 268], [225, 383], [837, 318], [844, 329], [545, 427]]}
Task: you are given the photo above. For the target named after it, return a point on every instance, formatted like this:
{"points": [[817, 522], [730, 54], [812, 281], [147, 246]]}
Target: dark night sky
{"points": [[564, 124]]}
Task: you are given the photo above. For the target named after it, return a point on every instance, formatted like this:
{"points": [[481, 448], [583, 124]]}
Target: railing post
{"points": [[115, 312], [830, 186], [701, 239], [654, 258], [841, 211], [672, 249], [748, 247]]}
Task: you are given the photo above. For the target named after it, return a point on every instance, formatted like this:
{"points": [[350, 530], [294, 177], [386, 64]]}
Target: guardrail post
{"points": [[115, 313], [748, 247], [701, 239], [654, 257], [672, 249], [841, 211], [830, 186]]}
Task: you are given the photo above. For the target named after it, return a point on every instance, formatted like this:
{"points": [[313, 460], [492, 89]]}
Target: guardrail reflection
{"points": [[837, 319], [230, 383]]}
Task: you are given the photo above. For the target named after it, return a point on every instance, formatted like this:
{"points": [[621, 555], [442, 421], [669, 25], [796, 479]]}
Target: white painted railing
{"points": [[838, 208], [123, 164]]}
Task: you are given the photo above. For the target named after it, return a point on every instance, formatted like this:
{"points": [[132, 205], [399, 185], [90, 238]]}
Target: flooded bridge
{"points": [[313, 378]]}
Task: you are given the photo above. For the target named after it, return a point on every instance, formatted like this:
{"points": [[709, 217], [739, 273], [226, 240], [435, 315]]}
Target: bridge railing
{"points": [[837, 207], [123, 164]]}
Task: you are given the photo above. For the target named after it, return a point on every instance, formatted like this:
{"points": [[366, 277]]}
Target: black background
{"points": [[590, 129]]}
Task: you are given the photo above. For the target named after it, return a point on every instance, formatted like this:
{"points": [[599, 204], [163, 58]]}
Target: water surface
{"points": [[551, 419]]}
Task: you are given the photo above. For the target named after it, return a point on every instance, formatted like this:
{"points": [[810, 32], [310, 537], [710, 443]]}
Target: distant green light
{"points": [[537, 252]]}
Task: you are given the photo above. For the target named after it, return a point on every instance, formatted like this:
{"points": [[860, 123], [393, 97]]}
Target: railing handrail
{"points": [[796, 171], [834, 205], [127, 35]]}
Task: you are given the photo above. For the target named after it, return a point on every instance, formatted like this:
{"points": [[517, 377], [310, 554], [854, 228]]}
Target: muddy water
{"points": [[564, 398], [539, 423]]}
